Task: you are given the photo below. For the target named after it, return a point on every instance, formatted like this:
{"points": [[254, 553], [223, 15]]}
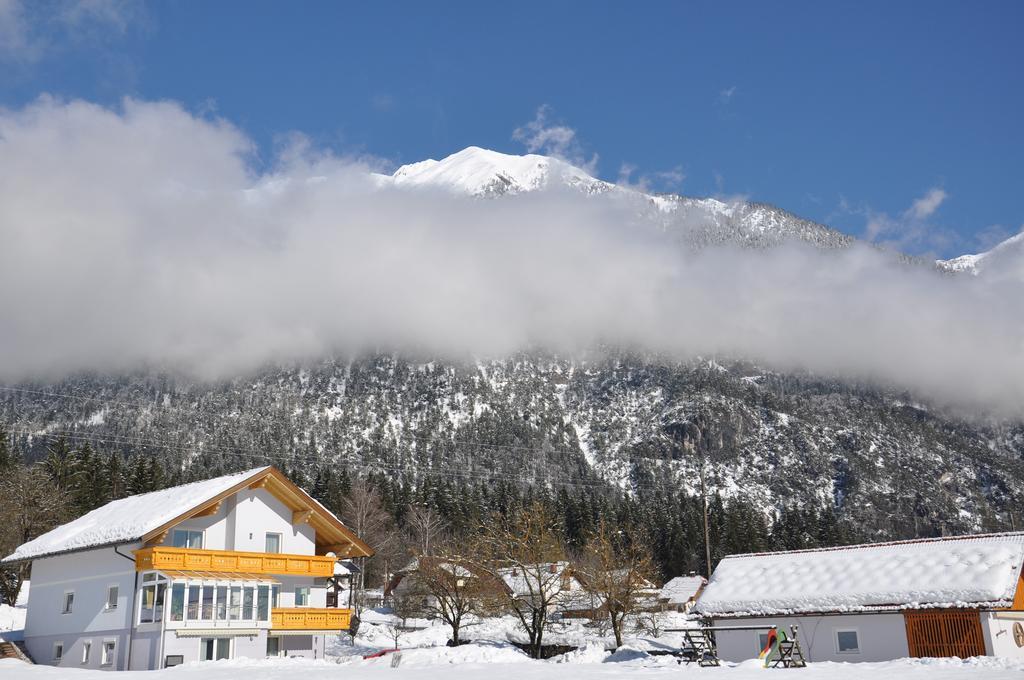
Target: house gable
{"points": [[330, 534], [150, 517]]}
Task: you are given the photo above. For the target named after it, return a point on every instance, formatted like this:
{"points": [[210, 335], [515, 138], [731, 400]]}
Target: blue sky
{"points": [[900, 121]]}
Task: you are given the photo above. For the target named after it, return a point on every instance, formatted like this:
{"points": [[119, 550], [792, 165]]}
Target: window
{"points": [[193, 602], [69, 602], [235, 610], [262, 603], [247, 603], [212, 649], [273, 543], [58, 651], [847, 642], [302, 596], [207, 603], [178, 602], [174, 660], [222, 603], [151, 607], [86, 648], [187, 538], [275, 596], [111, 598], [107, 658], [762, 640], [273, 646]]}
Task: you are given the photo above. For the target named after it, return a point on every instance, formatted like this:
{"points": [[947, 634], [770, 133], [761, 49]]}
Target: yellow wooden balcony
{"points": [[232, 562], [309, 618]]}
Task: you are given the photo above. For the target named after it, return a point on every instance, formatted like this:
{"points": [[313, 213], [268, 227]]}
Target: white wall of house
{"points": [[317, 590], [88, 574], [881, 637], [214, 528], [998, 630], [243, 521], [189, 648], [259, 512]]}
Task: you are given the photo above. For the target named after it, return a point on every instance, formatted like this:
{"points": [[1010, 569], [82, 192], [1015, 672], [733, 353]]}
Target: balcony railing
{"points": [[310, 619], [232, 562]]}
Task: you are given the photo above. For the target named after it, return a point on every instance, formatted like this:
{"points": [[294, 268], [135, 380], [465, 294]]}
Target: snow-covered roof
{"points": [[971, 571], [128, 519], [534, 577], [682, 589]]}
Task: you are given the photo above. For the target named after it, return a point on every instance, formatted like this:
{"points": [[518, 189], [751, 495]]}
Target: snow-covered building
{"points": [[680, 593], [236, 566], [959, 596], [407, 581], [555, 582]]}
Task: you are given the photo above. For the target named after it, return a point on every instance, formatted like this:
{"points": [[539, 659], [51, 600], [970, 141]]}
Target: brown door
{"points": [[944, 632]]}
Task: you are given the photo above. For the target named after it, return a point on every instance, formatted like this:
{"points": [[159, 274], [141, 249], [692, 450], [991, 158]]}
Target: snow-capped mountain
{"points": [[481, 172], [699, 222], [1009, 253]]}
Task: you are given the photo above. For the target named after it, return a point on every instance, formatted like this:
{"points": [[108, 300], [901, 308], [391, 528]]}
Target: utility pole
{"points": [[707, 532]]}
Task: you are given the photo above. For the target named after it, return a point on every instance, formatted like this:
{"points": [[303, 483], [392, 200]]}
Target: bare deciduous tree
{"points": [[454, 588], [425, 528], [30, 505], [526, 552], [617, 570], [363, 511]]}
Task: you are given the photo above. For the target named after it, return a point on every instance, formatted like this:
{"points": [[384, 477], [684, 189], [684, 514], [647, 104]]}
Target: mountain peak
{"points": [[483, 172], [1009, 250]]}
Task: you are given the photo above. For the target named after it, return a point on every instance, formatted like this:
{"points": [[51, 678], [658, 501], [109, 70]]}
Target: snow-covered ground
{"points": [[496, 662], [12, 619], [424, 656]]}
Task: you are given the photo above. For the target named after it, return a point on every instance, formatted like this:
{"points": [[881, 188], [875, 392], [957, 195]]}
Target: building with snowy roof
{"points": [[680, 593], [236, 566], [957, 596]]}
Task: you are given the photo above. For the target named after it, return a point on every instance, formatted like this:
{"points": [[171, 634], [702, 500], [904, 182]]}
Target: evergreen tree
{"points": [[59, 464], [7, 457]]}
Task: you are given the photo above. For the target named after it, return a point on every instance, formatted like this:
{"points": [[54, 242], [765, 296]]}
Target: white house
{"points": [[236, 566], [681, 592], [555, 581], [960, 596]]}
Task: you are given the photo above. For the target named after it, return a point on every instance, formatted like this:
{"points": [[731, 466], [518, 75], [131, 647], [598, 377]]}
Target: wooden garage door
{"points": [[944, 632]]}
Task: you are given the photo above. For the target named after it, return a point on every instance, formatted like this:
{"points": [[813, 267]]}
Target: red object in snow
{"points": [[377, 655]]}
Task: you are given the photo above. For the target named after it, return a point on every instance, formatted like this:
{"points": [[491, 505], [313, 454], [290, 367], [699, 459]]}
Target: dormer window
{"points": [[187, 538]]}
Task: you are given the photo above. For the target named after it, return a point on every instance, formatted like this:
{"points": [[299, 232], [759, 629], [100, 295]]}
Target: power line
{"points": [[298, 458]]}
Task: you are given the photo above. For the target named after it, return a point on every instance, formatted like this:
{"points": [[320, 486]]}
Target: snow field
{"points": [[474, 662]]}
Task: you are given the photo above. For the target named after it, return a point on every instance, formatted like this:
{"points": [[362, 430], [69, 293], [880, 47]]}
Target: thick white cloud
{"points": [[142, 236]]}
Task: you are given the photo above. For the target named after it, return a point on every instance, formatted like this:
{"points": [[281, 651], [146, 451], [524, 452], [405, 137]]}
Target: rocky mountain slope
{"points": [[897, 467]]}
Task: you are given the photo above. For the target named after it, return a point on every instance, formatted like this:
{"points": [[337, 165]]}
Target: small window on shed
{"points": [[847, 642]]}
